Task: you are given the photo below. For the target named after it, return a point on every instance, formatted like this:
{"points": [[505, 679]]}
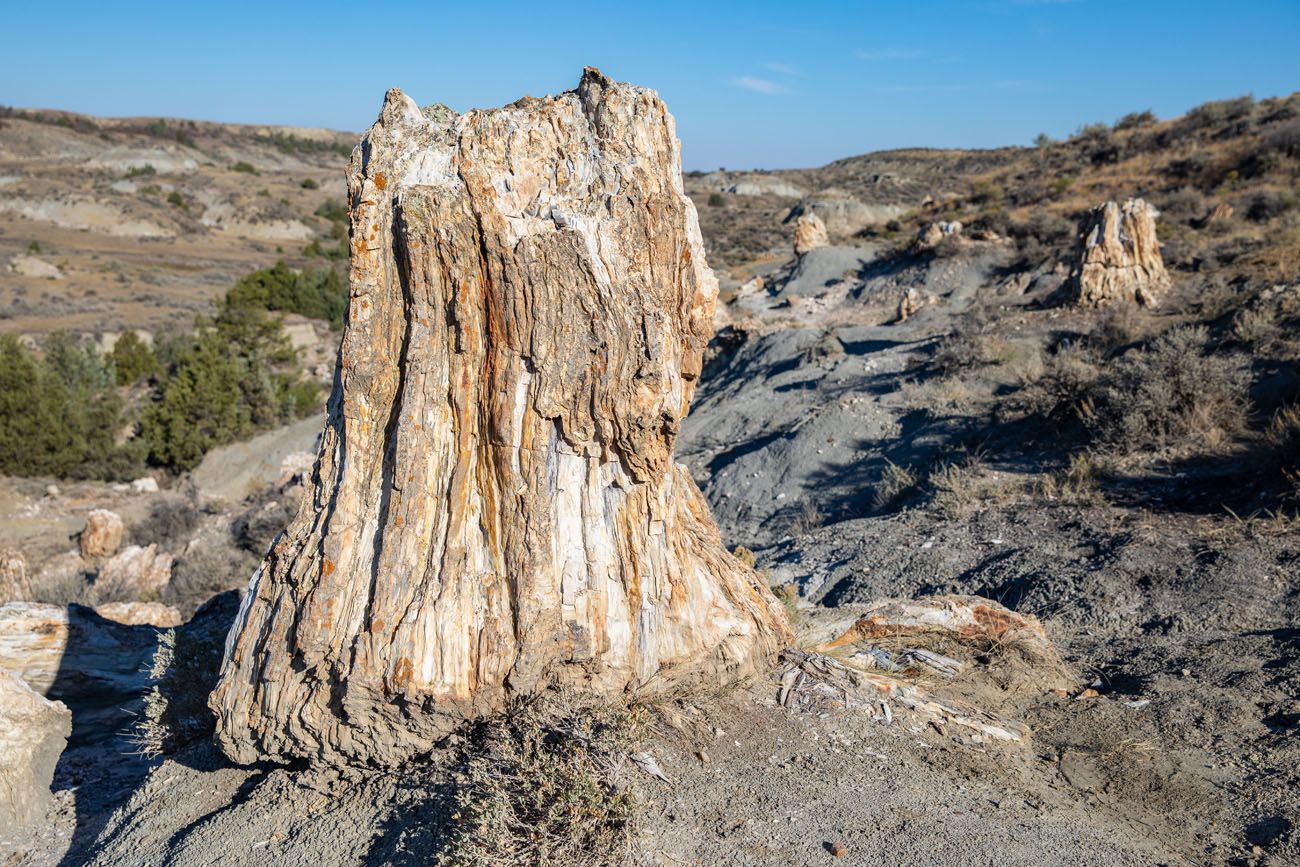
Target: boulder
{"points": [[809, 233], [140, 613], [31, 266], [33, 733], [1117, 257], [70, 653], [134, 574], [145, 485], [15, 585], [910, 301], [495, 508], [931, 235], [103, 534]]}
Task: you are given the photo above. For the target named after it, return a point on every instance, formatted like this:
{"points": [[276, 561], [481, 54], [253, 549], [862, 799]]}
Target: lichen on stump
{"points": [[495, 507]]}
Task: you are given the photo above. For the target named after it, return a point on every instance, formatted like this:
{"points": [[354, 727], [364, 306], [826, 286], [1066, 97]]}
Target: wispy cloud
{"points": [[758, 85], [890, 54], [783, 69]]}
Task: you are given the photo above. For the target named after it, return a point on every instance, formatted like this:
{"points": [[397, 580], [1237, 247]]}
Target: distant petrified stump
{"points": [[1117, 257], [495, 506], [809, 233]]}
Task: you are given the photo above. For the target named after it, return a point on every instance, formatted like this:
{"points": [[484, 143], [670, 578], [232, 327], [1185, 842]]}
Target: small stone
{"points": [[51, 490], [146, 485], [838, 849], [102, 536], [703, 757]]}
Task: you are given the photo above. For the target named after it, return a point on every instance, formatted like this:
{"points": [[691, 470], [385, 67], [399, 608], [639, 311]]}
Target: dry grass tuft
{"points": [[895, 485], [538, 786]]}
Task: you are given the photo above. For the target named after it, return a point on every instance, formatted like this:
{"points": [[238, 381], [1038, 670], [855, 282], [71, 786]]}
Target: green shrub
{"points": [[292, 144], [132, 359], [144, 171], [896, 484], [333, 211], [246, 168], [316, 294], [309, 184], [60, 415], [232, 379], [337, 253], [716, 200], [1220, 112]]}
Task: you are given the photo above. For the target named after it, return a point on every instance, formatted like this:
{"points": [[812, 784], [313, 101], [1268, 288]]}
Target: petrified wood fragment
{"points": [[495, 506], [1117, 257]]}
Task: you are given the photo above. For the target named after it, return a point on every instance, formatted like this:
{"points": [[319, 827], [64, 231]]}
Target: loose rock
{"points": [[103, 534], [33, 732]]}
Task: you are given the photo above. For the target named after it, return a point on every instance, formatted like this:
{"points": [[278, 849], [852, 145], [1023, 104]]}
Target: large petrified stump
{"points": [[495, 506], [1117, 257]]}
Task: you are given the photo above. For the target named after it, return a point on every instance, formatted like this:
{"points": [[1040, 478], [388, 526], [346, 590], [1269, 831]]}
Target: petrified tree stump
{"points": [[495, 506], [1117, 257]]}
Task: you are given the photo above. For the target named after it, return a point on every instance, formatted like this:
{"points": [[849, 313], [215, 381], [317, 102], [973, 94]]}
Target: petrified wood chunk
{"points": [[495, 506], [1117, 257], [33, 732], [103, 534]]}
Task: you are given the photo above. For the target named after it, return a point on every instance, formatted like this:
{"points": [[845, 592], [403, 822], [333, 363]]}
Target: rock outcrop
{"points": [[33, 732], [15, 585], [844, 214], [103, 534], [809, 233], [495, 507], [1117, 257]]}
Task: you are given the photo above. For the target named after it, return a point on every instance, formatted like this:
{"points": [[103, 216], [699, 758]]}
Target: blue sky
{"points": [[753, 84]]}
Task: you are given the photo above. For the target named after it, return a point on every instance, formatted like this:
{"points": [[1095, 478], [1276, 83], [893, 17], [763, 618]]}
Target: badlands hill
{"points": [[139, 223]]}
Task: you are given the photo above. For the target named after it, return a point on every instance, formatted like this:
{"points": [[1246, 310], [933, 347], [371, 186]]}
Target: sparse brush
{"points": [[962, 350], [1283, 435], [807, 519], [958, 486], [1257, 328], [1063, 393], [183, 672], [539, 785], [746, 556], [1174, 393], [1074, 485], [896, 484]]}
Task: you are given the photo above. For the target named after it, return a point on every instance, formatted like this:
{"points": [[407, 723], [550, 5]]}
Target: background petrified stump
{"points": [[495, 506], [1117, 257]]}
